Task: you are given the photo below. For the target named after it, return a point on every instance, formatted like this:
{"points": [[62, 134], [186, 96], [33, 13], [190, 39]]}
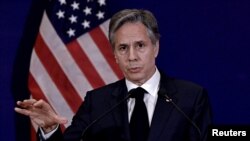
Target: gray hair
{"points": [[132, 16]]}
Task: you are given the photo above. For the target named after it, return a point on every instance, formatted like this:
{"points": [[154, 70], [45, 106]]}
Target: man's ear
{"points": [[116, 60], [157, 47]]}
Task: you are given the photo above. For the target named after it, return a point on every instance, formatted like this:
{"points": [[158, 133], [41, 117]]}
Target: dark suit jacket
{"points": [[168, 124]]}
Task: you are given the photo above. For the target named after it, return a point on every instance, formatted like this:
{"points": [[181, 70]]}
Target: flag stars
{"points": [[76, 18], [73, 19], [71, 32], [75, 5], [86, 24], [102, 2], [87, 11], [100, 15], [62, 2], [60, 14]]}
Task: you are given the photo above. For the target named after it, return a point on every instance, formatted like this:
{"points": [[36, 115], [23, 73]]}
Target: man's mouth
{"points": [[134, 69]]}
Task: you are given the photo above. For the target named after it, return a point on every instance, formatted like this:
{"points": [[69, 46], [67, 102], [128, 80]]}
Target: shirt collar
{"points": [[151, 85]]}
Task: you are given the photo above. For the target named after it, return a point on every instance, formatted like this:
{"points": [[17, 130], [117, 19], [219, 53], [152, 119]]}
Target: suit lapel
{"points": [[121, 113], [163, 109]]}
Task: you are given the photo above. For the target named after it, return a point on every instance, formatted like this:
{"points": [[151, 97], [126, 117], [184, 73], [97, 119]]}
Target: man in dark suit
{"points": [[176, 110]]}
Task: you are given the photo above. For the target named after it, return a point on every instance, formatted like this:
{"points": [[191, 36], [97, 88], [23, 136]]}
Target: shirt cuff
{"points": [[45, 136]]}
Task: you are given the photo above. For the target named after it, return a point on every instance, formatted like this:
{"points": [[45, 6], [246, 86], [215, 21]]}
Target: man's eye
{"points": [[122, 48], [140, 45]]}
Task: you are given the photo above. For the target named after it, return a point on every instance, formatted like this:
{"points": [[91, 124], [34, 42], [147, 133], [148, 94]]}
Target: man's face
{"points": [[135, 53]]}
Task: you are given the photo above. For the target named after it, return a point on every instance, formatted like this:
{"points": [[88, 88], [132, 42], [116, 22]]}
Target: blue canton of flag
{"points": [[72, 18]]}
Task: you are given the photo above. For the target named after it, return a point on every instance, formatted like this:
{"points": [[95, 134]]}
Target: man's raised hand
{"points": [[41, 113]]}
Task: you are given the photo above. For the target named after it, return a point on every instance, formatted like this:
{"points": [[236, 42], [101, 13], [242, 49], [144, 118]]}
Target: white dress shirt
{"points": [[150, 99]]}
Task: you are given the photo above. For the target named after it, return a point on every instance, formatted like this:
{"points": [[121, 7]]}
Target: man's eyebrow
{"points": [[123, 44], [140, 41]]}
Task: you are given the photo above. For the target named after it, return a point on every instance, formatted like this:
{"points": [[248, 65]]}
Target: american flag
{"points": [[71, 54]]}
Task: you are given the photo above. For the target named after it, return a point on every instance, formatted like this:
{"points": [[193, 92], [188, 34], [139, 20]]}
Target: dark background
{"points": [[207, 42]]}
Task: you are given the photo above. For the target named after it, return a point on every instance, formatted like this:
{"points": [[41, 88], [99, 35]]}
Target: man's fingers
{"points": [[21, 104], [41, 104], [22, 111], [26, 103], [30, 101]]}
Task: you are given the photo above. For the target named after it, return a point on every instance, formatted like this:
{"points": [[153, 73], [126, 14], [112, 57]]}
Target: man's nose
{"points": [[132, 54]]}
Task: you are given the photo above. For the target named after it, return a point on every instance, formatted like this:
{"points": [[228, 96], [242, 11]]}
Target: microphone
{"points": [[163, 93], [104, 114]]}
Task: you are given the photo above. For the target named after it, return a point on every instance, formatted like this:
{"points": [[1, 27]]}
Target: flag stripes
{"points": [[57, 75], [103, 44], [83, 62], [63, 57], [98, 60]]}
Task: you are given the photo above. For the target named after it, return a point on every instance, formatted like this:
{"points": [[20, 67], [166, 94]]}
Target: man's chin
{"points": [[135, 78]]}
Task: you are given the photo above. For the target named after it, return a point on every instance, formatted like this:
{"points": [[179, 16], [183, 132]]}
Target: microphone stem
{"points": [[177, 107], [100, 117]]}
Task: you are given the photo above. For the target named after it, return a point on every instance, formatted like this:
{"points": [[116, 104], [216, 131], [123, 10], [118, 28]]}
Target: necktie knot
{"points": [[138, 93]]}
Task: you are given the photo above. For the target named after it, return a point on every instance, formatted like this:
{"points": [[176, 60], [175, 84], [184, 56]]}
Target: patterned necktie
{"points": [[139, 124]]}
